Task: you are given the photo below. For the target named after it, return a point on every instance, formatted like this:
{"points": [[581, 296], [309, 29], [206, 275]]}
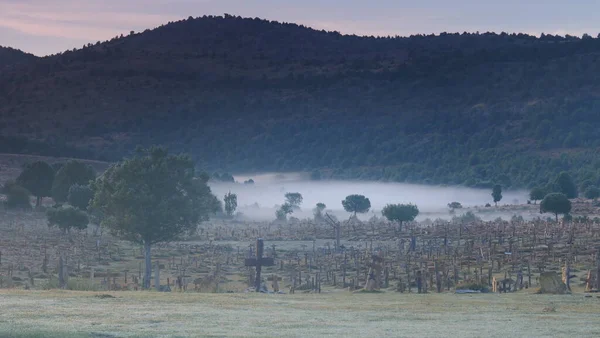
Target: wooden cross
{"points": [[259, 261]]}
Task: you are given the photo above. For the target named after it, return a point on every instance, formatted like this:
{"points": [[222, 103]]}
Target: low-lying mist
{"points": [[259, 201]]}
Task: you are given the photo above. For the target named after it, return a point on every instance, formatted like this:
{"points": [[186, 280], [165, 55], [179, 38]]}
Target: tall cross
{"points": [[259, 261]]}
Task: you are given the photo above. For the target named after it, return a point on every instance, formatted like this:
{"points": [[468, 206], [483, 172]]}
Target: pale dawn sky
{"points": [[44, 27]]}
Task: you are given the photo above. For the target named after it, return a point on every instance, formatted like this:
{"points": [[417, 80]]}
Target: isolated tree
{"points": [[592, 192], [497, 193], [230, 204], [318, 211], [153, 198], [283, 211], [556, 203], [17, 197], [400, 213], [67, 217], [37, 178], [80, 196], [565, 184], [356, 204], [71, 173], [454, 205], [537, 194], [294, 199]]}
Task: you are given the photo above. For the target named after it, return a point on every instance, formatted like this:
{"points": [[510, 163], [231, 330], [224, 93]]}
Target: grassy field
{"points": [[149, 314]]}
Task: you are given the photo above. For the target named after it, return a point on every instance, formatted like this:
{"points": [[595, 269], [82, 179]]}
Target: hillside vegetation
{"points": [[256, 95]]}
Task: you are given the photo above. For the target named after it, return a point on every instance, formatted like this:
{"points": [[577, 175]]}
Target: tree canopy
{"points": [[537, 194], [153, 197], [230, 204], [564, 184], [80, 196], [294, 199], [497, 193], [37, 178], [592, 192], [17, 197], [400, 213], [556, 203], [72, 172], [356, 204]]}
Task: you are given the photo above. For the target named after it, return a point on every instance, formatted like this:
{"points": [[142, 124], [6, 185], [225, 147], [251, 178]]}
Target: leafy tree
{"points": [[318, 211], [294, 199], [556, 203], [80, 196], [537, 194], [400, 213], [17, 197], [565, 184], [356, 204], [153, 198], [249, 182], [283, 211], [497, 193], [72, 172], [230, 204], [37, 177], [67, 217], [454, 205], [592, 192]]}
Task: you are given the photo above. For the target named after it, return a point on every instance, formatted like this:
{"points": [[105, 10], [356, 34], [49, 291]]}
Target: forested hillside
{"points": [[10, 57], [255, 95]]}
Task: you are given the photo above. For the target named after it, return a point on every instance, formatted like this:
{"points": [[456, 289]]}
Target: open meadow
{"points": [[151, 314]]}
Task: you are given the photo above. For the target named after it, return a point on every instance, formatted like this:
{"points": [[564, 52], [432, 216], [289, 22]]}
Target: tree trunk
{"points": [[148, 270], [38, 201], [556, 215]]}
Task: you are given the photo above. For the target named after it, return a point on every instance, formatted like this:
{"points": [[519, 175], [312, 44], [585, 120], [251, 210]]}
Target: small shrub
{"points": [[472, 286], [17, 197]]}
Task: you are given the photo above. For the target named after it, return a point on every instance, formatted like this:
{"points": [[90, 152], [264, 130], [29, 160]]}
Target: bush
{"points": [[472, 286], [67, 217], [17, 197]]}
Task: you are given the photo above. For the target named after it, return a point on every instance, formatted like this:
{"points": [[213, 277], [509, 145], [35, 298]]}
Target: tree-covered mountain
{"points": [[256, 95], [10, 57]]}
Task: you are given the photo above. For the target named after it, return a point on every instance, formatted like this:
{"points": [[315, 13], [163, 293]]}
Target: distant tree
{"points": [[318, 211], [537, 194], [283, 211], [71, 173], [17, 197], [565, 184], [400, 213], [230, 204], [294, 199], [315, 175], [556, 203], [37, 177], [356, 204], [497, 193], [153, 198], [80, 196], [67, 218], [592, 192], [454, 205], [250, 181]]}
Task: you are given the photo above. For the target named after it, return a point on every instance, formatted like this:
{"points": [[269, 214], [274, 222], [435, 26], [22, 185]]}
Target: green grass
{"points": [[147, 314]]}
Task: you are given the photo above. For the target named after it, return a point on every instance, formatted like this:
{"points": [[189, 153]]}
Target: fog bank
{"points": [[258, 201]]}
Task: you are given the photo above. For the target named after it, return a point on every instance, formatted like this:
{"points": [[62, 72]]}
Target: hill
{"points": [[11, 57], [256, 95]]}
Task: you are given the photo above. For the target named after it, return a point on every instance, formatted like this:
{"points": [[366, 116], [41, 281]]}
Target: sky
{"points": [[45, 27]]}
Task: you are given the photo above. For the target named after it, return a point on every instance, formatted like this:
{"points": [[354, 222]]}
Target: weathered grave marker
{"points": [[259, 261]]}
